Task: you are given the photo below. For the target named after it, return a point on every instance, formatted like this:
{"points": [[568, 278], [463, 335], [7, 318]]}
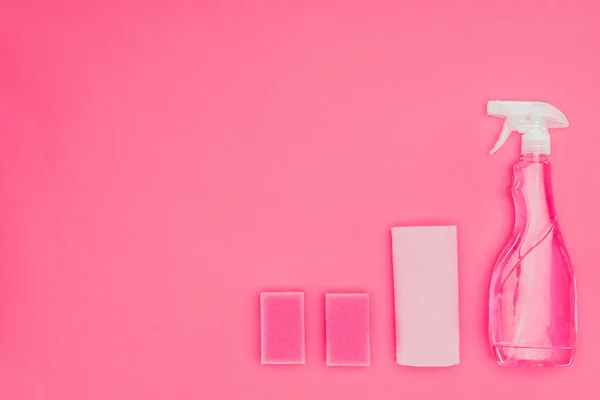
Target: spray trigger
{"points": [[531, 119]]}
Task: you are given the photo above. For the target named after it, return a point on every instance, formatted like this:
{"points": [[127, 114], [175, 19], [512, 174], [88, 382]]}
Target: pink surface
{"points": [[282, 328], [426, 295], [162, 162], [347, 329]]}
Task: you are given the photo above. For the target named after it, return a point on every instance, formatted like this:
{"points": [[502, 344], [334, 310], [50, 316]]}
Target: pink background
{"points": [[162, 162]]}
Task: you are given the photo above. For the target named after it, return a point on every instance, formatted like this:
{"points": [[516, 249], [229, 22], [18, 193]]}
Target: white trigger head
{"points": [[531, 119]]}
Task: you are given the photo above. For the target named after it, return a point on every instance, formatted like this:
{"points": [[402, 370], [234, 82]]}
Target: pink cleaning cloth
{"points": [[282, 328], [426, 295], [347, 329]]}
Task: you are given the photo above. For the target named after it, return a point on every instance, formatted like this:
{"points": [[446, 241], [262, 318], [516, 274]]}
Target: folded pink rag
{"points": [[426, 295]]}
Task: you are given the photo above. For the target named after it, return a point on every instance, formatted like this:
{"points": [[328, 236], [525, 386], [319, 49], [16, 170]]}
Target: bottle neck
{"points": [[533, 184], [535, 157]]}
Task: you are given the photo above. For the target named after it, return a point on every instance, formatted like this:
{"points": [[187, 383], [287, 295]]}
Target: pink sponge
{"points": [[347, 329], [282, 327]]}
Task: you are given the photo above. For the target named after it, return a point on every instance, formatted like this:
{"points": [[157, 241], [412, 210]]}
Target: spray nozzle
{"points": [[531, 119]]}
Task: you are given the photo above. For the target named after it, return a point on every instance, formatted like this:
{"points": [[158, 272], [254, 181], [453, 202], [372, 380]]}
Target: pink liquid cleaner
{"points": [[532, 310]]}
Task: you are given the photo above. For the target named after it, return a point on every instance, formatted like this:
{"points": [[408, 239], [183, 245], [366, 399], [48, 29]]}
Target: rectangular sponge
{"points": [[425, 266], [347, 329], [282, 328]]}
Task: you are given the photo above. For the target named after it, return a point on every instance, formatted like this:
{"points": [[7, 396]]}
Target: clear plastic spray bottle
{"points": [[532, 315]]}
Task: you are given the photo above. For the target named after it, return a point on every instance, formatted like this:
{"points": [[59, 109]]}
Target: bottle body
{"points": [[532, 312]]}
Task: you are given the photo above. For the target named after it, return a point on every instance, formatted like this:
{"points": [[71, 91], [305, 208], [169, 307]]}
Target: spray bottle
{"points": [[532, 315]]}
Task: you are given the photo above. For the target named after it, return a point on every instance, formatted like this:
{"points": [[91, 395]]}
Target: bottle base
{"points": [[533, 356]]}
